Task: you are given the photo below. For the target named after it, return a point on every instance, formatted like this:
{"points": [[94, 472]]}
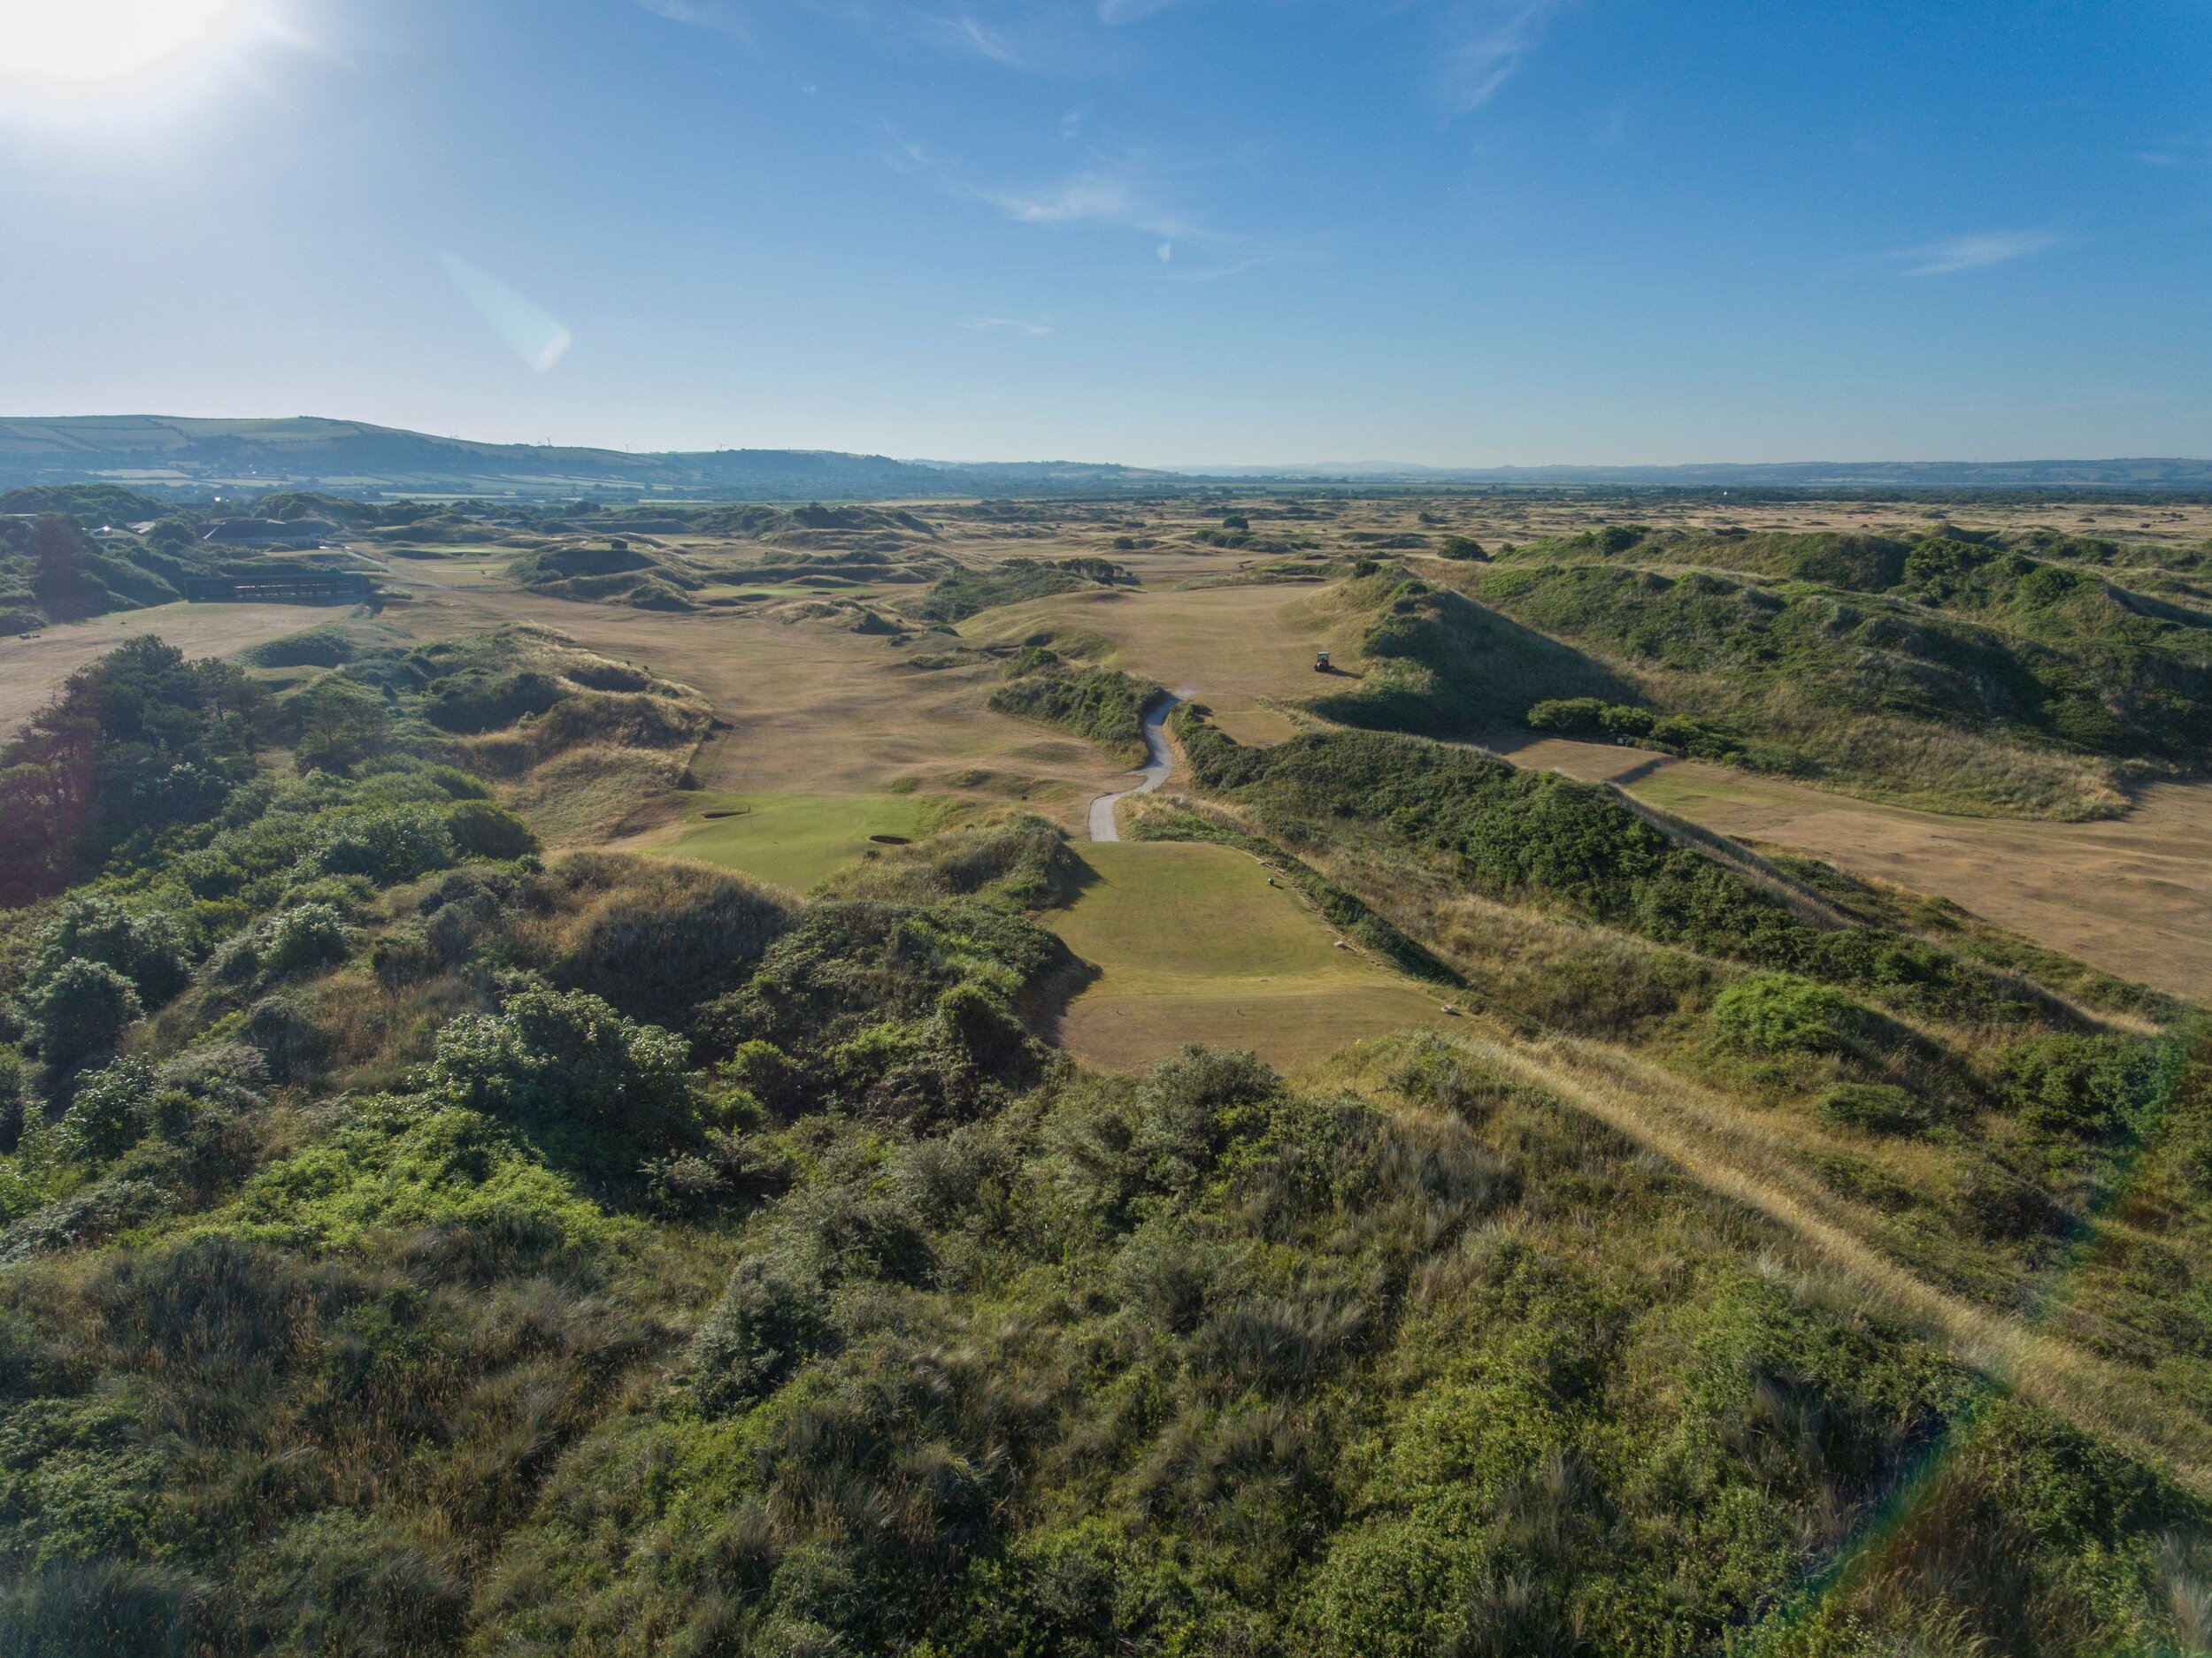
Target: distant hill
{"points": [[349, 457], [166, 454]]}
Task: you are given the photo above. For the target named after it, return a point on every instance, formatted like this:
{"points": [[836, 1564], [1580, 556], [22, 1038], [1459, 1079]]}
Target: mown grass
{"points": [[794, 840], [1197, 942]]}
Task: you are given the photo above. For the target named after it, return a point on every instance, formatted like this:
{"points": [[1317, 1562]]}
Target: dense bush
{"points": [[1100, 704], [482, 830], [304, 939], [337, 726], [137, 743], [395, 844], [656, 940], [570, 1066], [2078, 1085], [110, 1113], [1880, 1108], [80, 1009], [1779, 1013], [148, 948], [479, 700]]}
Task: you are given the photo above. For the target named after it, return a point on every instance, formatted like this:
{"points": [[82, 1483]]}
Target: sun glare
{"points": [[82, 42]]}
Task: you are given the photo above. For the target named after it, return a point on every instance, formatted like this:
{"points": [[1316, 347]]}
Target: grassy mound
{"points": [[1100, 704], [964, 592], [617, 572]]}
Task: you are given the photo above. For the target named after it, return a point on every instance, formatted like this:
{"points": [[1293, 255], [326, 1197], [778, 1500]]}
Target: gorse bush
{"points": [[1779, 1013], [304, 939], [2078, 1085], [398, 843], [566, 1065]]}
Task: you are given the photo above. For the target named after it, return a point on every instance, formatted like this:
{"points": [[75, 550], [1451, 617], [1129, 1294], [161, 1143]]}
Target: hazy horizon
{"points": [[1451, 233]]}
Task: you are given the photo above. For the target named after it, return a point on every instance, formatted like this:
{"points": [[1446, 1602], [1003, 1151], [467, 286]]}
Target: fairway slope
{"points": [[1193, 943]]}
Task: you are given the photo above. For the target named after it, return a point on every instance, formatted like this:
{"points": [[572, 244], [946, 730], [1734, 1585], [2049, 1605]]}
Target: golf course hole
{"points": [[891, 840]]}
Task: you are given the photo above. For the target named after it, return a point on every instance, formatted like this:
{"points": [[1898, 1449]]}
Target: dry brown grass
{"points": [[2132, 896], [32, 670]]}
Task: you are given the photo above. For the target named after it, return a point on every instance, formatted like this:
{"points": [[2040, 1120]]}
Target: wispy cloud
{"points": [[1087, 198], [964, 35], [1484, 42], [1006, 325], [705, 14], [1972, 253]]}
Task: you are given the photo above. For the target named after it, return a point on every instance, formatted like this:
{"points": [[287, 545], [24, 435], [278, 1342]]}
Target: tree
{"points": [[338, 725]]}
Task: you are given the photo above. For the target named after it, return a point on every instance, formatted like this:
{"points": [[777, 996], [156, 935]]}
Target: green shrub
{"points": [[397, 844], [2076, 1085], [481, 829], [1780, 1013], [980, 1027], [14, 1098], [112, 1112], [570, 1065], [300, 939], [1568, 713], [148, 948], [282, 1030], [1877, 1108], [665, 938], [479, 700], [1100, 704], [81, 1009], [337, 726]]}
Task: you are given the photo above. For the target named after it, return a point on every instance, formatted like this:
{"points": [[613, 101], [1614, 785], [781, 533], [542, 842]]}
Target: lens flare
{"points": [[80, 43], [530, 331]]}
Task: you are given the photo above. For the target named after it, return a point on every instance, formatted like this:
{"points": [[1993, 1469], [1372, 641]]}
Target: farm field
{"points": [[1192, 944]]}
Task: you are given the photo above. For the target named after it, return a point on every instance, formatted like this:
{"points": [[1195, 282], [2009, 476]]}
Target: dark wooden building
{"points": [[275, 586]]}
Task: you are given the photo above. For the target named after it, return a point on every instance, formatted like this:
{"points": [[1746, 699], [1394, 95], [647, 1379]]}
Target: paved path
{"points": [[1154, 771]]}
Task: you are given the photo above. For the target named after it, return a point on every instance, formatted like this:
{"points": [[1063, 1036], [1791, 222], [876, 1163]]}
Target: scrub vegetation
{"points": [[423, 1231], [2019, 674]]}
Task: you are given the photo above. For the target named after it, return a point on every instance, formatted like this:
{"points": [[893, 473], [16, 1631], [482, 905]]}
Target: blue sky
{"points": [[1155, 231]]}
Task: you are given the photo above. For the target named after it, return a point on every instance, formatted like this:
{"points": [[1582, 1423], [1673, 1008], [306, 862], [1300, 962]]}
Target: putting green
{"points": [[793, 841], [1192, 945]]}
